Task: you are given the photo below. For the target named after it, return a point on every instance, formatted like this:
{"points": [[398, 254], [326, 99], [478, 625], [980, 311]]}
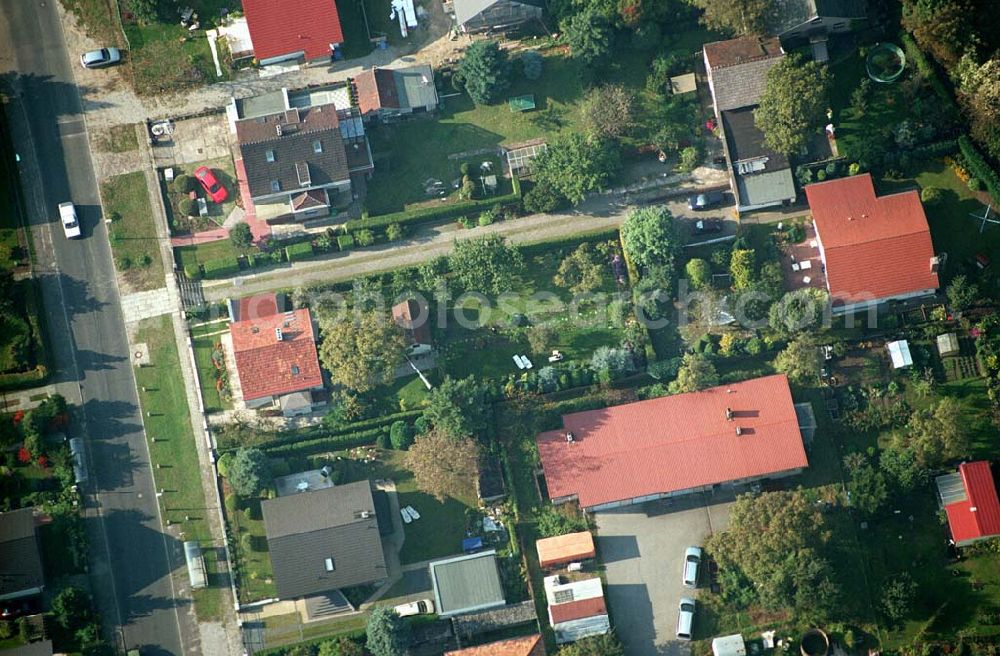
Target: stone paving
{"points": [[144, 305]]}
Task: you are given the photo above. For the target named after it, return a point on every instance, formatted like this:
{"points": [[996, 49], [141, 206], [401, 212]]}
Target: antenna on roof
{"points": [[739, 431], [729, 415], [985, 218], [569, 436]]}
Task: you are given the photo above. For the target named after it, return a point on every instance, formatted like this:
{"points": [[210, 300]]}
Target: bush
{"points": [[345, 242], [931, 195], [854, 168], [393, 232], [821, 175], [542, 199], [123, 262], [400, 435], [382, 439], [187, 207], [364, 237], [436, 213], [183, 184], [464, 169], [975, 184], [300, 251], [222, 267], [486, 218], [241, 235], [532, 63]]}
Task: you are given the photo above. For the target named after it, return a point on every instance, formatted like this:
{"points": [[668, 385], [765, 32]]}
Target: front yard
{"points": [[132, 232], [181, 224], [174, 455]]}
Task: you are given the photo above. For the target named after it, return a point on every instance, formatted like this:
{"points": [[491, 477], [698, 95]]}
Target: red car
{"points": [[210, 184]]}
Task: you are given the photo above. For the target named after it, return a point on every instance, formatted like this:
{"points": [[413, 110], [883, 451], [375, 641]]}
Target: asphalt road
{"points": [[130, 554]]}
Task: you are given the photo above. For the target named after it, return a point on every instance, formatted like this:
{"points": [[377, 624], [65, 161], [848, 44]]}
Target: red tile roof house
{"points": [[387, 93], [627, 454], [276, 361], [969, 498], [532, 645], [874, 249], [304, 30]]}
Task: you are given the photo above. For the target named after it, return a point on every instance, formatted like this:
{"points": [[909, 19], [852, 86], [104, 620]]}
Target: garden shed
{"points": [[947, 344], [467, 584], [899, 352]]}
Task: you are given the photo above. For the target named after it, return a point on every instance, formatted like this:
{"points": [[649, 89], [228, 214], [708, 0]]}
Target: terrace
{"points": [[801, 265]]}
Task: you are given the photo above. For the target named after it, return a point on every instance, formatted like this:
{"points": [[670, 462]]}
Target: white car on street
{"points": [[70, 224], [420, 607]]}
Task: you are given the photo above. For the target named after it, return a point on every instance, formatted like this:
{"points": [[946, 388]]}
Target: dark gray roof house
{"points": [[798, 21], [40, 648], [323, 540], [467, 584], [482, 15], [20, 559], [737, 70], [760, 177]]}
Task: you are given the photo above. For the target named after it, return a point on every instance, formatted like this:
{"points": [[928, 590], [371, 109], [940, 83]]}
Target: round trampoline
{"points": [[885, 63]]}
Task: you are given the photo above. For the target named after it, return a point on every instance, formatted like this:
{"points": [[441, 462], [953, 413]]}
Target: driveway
{"points": [[642, 548]]}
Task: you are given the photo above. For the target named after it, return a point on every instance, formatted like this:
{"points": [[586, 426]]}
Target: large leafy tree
{"points": [[794, 104], [487, 265], [608, 111], [696, 373], [248, 472], [699, 273], [361, 351], [460, 408], [485, 68], [742, 262], [799, 310], [589, 34], [581, 271], [942, 27], [443, 466], [776, 540], [866, 484], [650, 238], [573, 166], [735, 16], [387, 633], [938, 434], [801, 360]]}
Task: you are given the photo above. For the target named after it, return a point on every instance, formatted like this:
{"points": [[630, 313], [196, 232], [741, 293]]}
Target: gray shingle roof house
{"points": [[389, 92], [20, 559], [298, 159], [322, 540], [467, 584], [482, 15], [794, 21], [760, 177], [737, 70]]}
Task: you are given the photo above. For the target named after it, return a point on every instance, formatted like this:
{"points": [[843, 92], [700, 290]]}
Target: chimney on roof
{"points": [[569, 436], [277, 128], [935, 264], [739, 431], [277, 334], [729, 414]]}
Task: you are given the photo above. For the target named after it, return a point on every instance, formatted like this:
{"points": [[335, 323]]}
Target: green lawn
{"points": [[225, 172], [581, 327], [159, 52], [201, 253], [406, 393], [174, 455], [256, 580], [203, 349], [133, 232], [117, 139]]}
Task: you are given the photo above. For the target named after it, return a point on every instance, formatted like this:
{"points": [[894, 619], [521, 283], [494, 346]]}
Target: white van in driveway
{"points": [[70, 224]]}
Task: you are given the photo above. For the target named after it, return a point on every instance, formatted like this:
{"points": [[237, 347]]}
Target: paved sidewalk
{"points": [[143, 305]]}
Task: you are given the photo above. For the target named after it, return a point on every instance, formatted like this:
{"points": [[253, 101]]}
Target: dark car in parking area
{"points": [[705, 201], [706, 226]]}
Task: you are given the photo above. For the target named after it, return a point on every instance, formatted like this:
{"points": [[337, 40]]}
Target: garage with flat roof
{"points": [[466, 584]]}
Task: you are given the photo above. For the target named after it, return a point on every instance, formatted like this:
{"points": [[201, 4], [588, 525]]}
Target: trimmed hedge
{"points": [[23, 379], [300, 251], [345, 242], [222, 267], [979, 167], [322, 434], [538, 248], [916, 55], [936, 149], [328, 443], [437, 213]]}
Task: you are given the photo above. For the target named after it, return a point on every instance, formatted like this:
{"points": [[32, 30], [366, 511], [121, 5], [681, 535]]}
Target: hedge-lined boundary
{"points": [[222, 267], [299, 251], [916, 55], [539, 247], [40, 373], [427, 214], [329, 443], [979, 167]]}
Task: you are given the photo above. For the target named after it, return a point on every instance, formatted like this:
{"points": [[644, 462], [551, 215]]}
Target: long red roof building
{"points": [[674, 444]]}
